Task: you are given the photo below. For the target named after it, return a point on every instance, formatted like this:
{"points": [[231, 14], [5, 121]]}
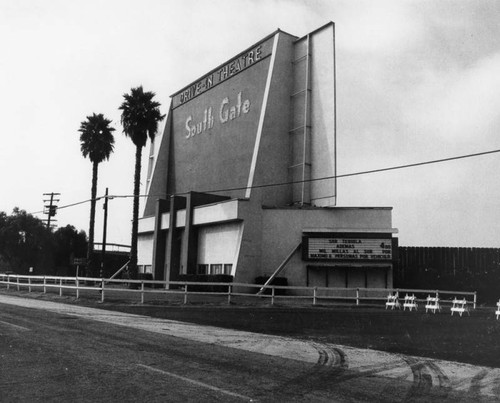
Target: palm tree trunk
{"points": [[135, 214], [90, 246]]}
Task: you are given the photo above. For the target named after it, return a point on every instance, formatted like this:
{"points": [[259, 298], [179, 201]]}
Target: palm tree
{"points": [[140, 118], [96, 143]]}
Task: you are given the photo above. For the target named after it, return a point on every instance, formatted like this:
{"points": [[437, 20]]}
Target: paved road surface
{"points": [[56, 352]]}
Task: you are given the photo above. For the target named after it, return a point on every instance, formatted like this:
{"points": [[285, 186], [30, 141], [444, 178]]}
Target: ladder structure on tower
{"points": [[300, 132]]}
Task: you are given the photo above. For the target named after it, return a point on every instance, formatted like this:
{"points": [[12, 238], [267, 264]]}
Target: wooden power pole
{"points": [[51, 208]]}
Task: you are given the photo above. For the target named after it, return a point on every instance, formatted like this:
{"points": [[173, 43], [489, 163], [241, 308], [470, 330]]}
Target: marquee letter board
{"points": [[347, 246]]}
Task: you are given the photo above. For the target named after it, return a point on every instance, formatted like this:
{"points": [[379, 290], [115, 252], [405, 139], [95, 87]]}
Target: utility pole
{"points": [[51, 208], [105, 226]]}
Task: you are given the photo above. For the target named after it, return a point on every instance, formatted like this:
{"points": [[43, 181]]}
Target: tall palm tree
{"points": [[96, 143], [140, 118]]}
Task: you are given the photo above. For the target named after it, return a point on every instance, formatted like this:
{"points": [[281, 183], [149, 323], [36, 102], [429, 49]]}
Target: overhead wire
{"points": [[372, 171], [356, 173]]}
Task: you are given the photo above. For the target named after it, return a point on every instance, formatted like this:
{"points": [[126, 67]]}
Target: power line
{"points": [[361, 172], [80, 202], [68, 205], [421, 163], [392, 168]]}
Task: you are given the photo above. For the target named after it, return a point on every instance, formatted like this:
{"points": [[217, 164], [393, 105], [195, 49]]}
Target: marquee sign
{"points": [[334, 248], [239, 63]]}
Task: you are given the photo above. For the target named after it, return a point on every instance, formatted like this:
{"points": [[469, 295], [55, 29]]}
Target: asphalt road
{"points": [[55, 356]]}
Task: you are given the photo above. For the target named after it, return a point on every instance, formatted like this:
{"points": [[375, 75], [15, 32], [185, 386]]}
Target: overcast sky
{"points": [[416, 81]]}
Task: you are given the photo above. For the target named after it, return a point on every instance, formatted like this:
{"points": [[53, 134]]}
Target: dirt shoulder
{"points": [[468, 339]]}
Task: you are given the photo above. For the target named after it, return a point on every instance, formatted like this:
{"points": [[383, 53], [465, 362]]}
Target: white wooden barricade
{"points": [[459, 306], [393, 301], [410, 302], [432, 304], [497, 312]]}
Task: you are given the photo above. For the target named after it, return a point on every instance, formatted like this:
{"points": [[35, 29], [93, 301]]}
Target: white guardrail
{"points": [[109, 288]]}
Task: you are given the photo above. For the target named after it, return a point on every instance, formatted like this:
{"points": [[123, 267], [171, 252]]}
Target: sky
{"points": [[416, 81]]}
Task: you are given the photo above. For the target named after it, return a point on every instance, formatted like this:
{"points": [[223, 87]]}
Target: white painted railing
{"points": [[110, 288]]}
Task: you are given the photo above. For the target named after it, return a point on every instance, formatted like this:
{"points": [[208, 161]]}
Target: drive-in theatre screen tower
{"points": [[242, 179]]}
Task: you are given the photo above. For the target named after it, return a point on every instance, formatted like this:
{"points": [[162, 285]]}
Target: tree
{"points": [[25, 241], [140, 118], [68, 244], [97, 143]]}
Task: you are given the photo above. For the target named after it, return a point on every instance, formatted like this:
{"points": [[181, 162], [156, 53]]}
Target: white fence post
{"points": [[142, 291], [77, 289], [44, 285], [29, 284], [185, 294], [17, 283], [357, 296], [272, 295], [475, 299], [315, 289], [102, 290], [229, 288], [60, 287]]}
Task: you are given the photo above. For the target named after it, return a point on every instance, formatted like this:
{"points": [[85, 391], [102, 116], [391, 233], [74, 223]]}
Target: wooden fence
{"points": [[468, 269], [183, 292]]}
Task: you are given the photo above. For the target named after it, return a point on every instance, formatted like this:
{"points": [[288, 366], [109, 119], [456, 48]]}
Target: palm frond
{"points": [[96, 138], [140, 115]]}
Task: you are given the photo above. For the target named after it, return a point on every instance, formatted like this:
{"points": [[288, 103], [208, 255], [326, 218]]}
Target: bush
{"points": [[283, 281], [206, 278], [146, 277]]}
